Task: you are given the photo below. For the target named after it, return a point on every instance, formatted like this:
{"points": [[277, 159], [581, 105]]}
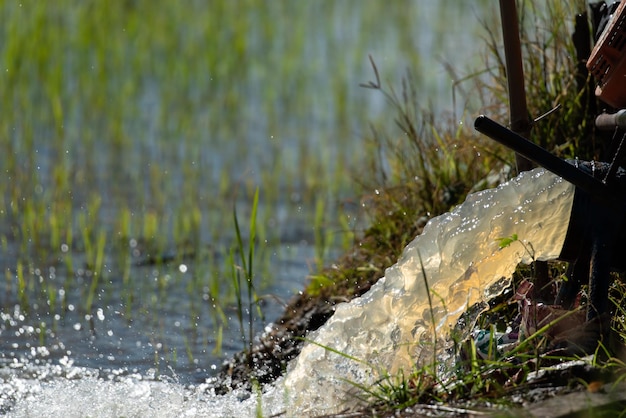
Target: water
{"points": [[389, 328], [169, 327], [69, 391]]}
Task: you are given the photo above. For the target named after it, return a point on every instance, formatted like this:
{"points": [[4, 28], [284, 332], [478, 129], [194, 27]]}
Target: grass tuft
{"points": [[246, 312]]}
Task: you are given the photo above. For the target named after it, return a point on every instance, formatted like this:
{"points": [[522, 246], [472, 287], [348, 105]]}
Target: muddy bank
{"points": [[275, 348]]}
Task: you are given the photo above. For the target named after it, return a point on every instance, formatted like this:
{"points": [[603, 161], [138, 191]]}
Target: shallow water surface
{"points": [[159, 334]]}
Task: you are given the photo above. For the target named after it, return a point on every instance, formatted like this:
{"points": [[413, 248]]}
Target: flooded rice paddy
{"points": [[131, 131]]}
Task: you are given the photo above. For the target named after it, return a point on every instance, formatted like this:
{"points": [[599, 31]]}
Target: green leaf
{"points": [[506, 241]]}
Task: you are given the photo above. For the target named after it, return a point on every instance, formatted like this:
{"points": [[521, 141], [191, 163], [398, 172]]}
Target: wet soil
{"points": [[276, 347], [282, 342]]}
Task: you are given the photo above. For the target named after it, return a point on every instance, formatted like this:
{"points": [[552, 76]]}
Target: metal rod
{"points": [[534, 152], [610, 122]]}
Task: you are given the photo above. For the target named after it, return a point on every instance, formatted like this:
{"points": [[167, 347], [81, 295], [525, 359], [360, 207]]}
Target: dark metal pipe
{"points": [[535, 153], [608, 122]]}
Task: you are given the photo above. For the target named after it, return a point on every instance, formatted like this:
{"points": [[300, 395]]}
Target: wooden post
{"points": [[518, 114]]}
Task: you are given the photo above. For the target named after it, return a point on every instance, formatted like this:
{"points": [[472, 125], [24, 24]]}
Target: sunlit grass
{"points": [[244, 267]]}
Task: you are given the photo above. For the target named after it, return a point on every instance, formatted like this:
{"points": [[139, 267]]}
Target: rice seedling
{"points": [[96, 270], [188, 351], [21, 287], [219, 337], [320, 236], [246, 312]]}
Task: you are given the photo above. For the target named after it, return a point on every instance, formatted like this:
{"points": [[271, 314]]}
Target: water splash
{"points": [[390, 327], [28, 390]]}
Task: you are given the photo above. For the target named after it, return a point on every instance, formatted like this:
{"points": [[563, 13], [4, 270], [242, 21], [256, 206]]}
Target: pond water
{"points": [[166, 330], [130, 130]]}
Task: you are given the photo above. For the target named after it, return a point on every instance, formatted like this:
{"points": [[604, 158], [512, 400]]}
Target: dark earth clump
{"points": [[274, 349]]}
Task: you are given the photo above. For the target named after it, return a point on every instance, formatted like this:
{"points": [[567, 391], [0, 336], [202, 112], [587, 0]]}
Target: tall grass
{"points": [[430, 157], [552, 79]]}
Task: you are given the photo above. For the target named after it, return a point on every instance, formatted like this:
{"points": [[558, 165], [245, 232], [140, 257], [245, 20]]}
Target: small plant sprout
{"points": [[246, 268], [507, 241]]}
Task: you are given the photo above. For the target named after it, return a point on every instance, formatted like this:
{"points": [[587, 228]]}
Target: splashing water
{"points": [[65, 390], [390, 328]]}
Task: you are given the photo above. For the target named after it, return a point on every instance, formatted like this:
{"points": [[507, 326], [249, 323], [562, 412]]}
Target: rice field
{"points": [[132, 130]]}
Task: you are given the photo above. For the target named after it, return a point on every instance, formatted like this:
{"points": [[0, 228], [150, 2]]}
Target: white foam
{"points": [[133, 396]]}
